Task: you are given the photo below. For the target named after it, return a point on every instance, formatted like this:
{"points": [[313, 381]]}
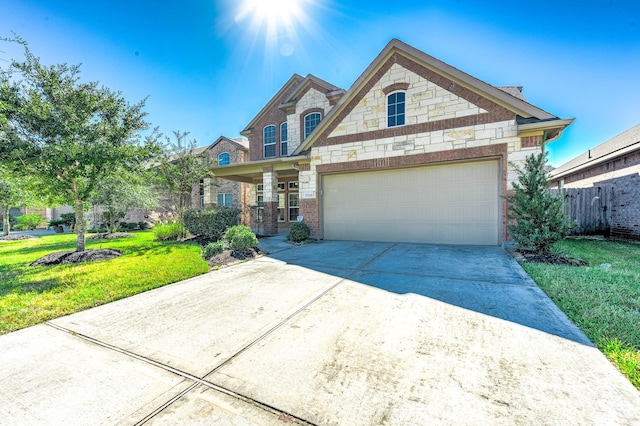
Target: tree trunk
{"points": [[79, 207], [6, 225]]}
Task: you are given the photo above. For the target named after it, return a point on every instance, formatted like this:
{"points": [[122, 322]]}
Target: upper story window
{"points": [[269, 141], [283, 140], [310, 122], [395, 109], [223, 159]]}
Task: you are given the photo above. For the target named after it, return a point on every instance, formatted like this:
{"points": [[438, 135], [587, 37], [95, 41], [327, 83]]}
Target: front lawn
{"points": [[603, 299], [33, 294]]}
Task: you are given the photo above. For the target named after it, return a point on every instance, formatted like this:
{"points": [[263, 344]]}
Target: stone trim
{"points": [[394, 87], [495, 112]]}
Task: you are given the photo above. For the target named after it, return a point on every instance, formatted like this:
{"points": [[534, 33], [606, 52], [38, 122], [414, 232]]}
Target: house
{"points": [[414, 151], [210, 192], [615, 164]]}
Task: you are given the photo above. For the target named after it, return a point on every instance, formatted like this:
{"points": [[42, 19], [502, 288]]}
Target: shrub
{"points": [[212, 249], [143, 225], [298, 232], [68, 218], [211, 223], [538, 215], [54, 223], [169, 231], [240, 237], [30, 221]]}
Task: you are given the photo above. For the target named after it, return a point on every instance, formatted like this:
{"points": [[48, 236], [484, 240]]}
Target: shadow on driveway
{"points": [[483, 279]]}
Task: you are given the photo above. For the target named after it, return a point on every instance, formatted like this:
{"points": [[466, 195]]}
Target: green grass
{"points": [[33, 294], [603, 301]]}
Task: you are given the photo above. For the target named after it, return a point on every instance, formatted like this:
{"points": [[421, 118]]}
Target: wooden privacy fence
{"points": [[590, 208]]}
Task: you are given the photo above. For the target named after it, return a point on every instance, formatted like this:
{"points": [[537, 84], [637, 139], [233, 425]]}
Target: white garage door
{"points": [[445, 204]]}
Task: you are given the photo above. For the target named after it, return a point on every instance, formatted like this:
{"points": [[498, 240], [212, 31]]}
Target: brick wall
{"points": [[623, 175]]}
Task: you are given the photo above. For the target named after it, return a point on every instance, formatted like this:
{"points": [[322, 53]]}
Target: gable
{"points": [[425, 102], [447, 103]]}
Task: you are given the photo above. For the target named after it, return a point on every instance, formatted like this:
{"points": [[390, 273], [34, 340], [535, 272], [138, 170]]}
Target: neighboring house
{"points": [[211, 191], [414, 151], [614, 164]]}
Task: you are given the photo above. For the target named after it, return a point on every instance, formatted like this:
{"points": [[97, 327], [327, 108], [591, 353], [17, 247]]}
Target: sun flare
{"points": [[278, 20]]}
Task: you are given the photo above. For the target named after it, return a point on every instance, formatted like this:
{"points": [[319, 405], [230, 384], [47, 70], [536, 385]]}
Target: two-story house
{"points": [[415, 151]]}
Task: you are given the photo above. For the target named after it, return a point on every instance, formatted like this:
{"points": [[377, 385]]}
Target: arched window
{"points": [[310, 122], [269, 141], [223, 159], [283, 140], [395, 109]]}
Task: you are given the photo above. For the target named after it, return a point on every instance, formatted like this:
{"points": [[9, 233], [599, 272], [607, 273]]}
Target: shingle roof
{"points": [[622, 144]]}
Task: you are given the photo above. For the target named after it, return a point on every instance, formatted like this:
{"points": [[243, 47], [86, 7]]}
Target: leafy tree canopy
{"points": [[71, 134]]}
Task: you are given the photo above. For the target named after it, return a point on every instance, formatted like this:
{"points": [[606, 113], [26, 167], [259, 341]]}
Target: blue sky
{"points": [[208, 67]]}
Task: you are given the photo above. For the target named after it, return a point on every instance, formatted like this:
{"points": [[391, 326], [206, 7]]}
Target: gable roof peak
{"points": [[291, 83]]}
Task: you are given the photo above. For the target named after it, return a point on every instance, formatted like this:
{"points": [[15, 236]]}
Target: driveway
{"points": [[329, 333]]}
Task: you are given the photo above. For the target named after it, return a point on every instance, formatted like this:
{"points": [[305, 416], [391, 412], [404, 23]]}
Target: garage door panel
{"points": [[455, 204]]}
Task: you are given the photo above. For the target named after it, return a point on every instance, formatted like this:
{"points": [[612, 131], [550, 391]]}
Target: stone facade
{"points": [[449, 117]]}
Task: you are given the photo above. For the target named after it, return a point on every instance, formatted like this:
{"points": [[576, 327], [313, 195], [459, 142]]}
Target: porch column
{"points": [[210, 193], [308, 198], [270, 193]]}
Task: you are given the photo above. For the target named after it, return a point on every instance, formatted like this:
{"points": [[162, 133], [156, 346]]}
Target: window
{"points": [[395, 109], [269, 141], [293, 186], [223, 159], [310, 122], [260, 187], [280, 186], [260, 209], [283, 140], [281, 207], [225, 199], [202, 194], [294, 207]]}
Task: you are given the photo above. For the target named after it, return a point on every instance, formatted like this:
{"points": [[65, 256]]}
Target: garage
{"points": [[455, 203]]}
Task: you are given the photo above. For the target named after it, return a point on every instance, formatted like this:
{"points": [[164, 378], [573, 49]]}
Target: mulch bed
{"points": [[110, 236], [231, 257], [527, 256], [71, 256], [17, 237]]}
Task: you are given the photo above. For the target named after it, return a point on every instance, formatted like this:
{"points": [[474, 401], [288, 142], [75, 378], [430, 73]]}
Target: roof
{"points": [[330, 89], [506, 97], [293, 82], [241, 143], [617, 146]]}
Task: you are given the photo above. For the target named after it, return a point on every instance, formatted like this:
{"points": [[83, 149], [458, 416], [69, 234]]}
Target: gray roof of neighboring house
{"points": [[622, 144]]}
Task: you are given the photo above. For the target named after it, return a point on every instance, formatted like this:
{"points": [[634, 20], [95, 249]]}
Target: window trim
{"points": [[304, 114], [224, 199], [290, 207], [396, 115], [284, 141], [228, 159], [264, 141]]}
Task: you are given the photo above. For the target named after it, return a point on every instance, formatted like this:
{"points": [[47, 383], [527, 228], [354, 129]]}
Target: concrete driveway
{"points": [[329, 333]]}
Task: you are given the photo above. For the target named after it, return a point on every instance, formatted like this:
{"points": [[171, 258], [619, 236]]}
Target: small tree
{"points": [[181, 168], [15, 190], [123, 191], [538, 215]]}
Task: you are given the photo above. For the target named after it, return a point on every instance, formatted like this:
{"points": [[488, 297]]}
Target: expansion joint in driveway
{"points": [[196, 381]]}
